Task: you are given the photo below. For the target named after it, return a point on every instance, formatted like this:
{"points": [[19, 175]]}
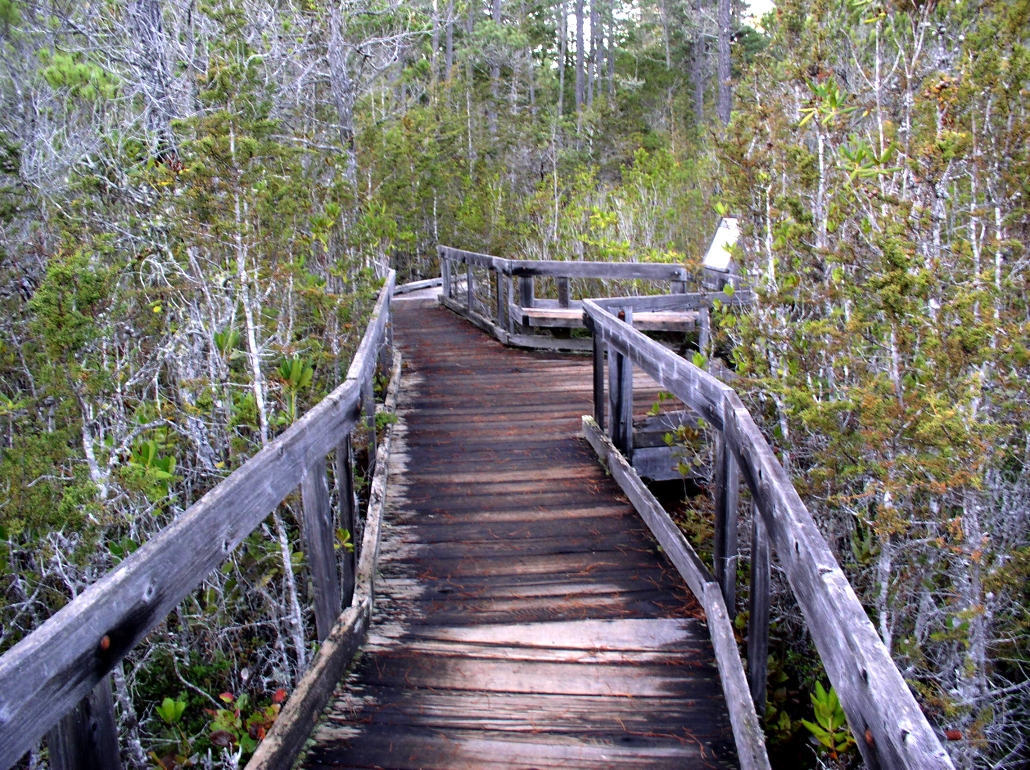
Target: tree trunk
{"points": [[449, 44], [580, 52], [343, 91], [153, 76], [725, 105]]}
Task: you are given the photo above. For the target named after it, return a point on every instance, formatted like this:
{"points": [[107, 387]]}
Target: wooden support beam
{"points": [[347, 515], [317, 521], [502, 295], [526, 298], [758, 612], [86, 738], [599, 381], [368, 406], [445, 275], [704, 325], [470, 287], [563, 291], [726, 487]]}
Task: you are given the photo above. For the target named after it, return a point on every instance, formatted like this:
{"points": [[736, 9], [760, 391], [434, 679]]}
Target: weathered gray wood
{"points": [[473, 258], [668, 535], [86, 738], [662, 463], [746, 730], [758, 612], [445, 275], [703, 324], [486, 324], [500, 280], [317, 529], [526, 298], [299, 716], [347, 515], [470, 287], [368, 408], [647, 271], [563, 291], [726, 489], [872, 691], [598, 353], [284, 741], [47, 673], [413, 286], [509, 299]]}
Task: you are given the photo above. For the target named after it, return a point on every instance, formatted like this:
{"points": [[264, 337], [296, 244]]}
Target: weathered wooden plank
{"points": [[694, 387], [746, 730], [473, 258], [413, 286], [758, 612], [347, 515], [445, 275], [86, 738], [284, 741], [299, 716], [486, 324], [726, 489], [500, 279], [526, 298], [48, 672], [317, 528], [470, 287], [598, 372], [619, 270], [563, 291], [873, 694], [668, 535]]}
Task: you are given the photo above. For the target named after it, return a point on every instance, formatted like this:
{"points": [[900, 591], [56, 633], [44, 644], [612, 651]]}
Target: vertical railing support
{"points": [[502, 296], [758, 612], [620, 395], [509, 300], [348, 506], [445, 273], [598, 377], [368, 406], [318, 545], [563, 291], [470, 287], [526, 298], [726, 484], [86, 738]]}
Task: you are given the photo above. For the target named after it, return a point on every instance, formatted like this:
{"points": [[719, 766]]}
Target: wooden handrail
{"points": [[54, 669], [890, 728]]}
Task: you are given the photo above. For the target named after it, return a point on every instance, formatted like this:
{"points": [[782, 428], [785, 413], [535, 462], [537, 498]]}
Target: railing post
{"points": [[347, 514], [470, 287], [563, 291], [445, 273], [509, 285], [620, 395], [526, 298], [726, 483], [318, 545], [502, 295], [598, 377], [758, 612], [368, 406], [86, 738], [703, 323]]}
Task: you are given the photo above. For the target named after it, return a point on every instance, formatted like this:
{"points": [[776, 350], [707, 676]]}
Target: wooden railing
{"points": [[888, 725], [500, 315], [57, 678]]}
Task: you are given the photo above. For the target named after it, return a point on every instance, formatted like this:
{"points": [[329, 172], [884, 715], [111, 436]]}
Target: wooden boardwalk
{"points": [[524, 616]]}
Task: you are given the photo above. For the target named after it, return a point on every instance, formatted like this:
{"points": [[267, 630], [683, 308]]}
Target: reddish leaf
{"points": [[953, 735], [228, 697], [221, 738], [279, 695]]}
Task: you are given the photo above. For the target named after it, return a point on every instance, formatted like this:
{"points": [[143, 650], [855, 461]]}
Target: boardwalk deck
{"points": [[524, 617]]}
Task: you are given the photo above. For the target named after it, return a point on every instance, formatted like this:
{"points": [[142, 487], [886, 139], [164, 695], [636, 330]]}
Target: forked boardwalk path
{"points": [[524, 617]]}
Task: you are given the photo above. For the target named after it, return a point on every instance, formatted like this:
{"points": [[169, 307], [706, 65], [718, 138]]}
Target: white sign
{"points": [[718, 256]]}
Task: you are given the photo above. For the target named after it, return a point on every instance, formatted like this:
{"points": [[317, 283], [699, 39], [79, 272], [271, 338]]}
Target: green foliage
{"points": [[81, 78], [830, 729]]}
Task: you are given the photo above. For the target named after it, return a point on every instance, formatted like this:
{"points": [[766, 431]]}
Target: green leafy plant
{"points": [[296, 373], [232, 726], [344, 541], [830, 730]]}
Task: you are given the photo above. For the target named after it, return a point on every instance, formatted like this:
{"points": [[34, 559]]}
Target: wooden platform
{"points": [[525, 617]]}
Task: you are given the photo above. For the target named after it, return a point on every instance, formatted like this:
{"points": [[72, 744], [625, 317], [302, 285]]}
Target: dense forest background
{"points": [[198, 200]]}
